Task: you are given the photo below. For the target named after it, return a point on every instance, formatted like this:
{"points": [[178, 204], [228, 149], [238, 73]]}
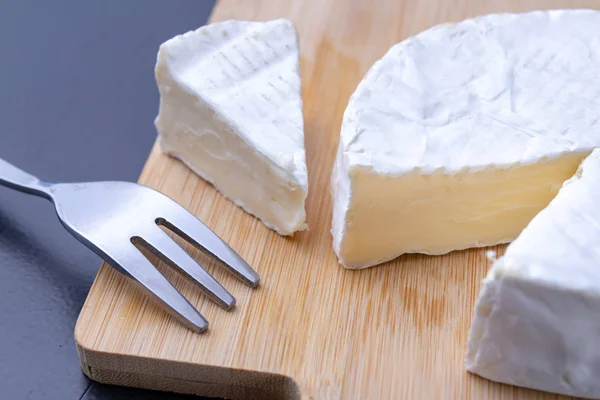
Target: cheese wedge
{"points": [[230, 108], [537, 320], [461, 134]]}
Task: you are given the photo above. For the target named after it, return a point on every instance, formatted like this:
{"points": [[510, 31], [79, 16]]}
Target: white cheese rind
{"points": [[486, 95], [231, 109], [537, 319]]}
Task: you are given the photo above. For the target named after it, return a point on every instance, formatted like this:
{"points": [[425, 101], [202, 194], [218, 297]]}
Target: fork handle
{"points": [[15, 178]]}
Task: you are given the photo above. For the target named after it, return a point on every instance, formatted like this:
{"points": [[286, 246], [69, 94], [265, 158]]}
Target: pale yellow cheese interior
{"points": [[437, 213], [213, 150]]}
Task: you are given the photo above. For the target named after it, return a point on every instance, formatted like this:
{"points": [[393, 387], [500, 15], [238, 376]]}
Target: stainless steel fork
{"points": [[114, 218]]}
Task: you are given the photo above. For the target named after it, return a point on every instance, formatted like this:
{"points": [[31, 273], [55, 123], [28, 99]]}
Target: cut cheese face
{"points": [[537, 319], [231, 109], [461, 134]]}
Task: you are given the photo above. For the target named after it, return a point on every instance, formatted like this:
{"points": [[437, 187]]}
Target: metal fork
{"points": [[113, 219]]}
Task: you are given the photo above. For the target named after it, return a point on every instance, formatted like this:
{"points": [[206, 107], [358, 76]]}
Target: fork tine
{"points": [[140, 271], [172, 254], [194, 231]]}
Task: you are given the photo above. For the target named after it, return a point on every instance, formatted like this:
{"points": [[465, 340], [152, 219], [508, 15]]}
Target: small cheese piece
{"points": [[537, 320], [460, 135], [230, 108]]}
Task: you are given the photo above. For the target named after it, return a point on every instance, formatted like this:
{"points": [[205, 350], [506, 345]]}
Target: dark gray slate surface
{"points": [[77, 101]]}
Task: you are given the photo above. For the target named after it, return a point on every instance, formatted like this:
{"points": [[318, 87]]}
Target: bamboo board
{"points": [[312, 330]]}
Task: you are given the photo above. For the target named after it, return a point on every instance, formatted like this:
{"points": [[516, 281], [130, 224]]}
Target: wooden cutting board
{"points": [[312, 330]]}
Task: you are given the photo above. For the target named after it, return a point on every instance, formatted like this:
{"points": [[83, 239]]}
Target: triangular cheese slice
{"points": [[461, 134], [231, 109], [537, 319]]}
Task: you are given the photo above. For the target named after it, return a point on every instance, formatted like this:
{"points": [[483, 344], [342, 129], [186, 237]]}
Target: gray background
{"points": [[77, 102]]}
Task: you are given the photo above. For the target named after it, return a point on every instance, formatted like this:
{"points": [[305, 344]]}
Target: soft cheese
{"points": [[537, 320], [461, 134], [231, 109]]}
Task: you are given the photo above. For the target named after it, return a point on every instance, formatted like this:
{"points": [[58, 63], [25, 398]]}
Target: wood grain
{"points": [[313, 330]]}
